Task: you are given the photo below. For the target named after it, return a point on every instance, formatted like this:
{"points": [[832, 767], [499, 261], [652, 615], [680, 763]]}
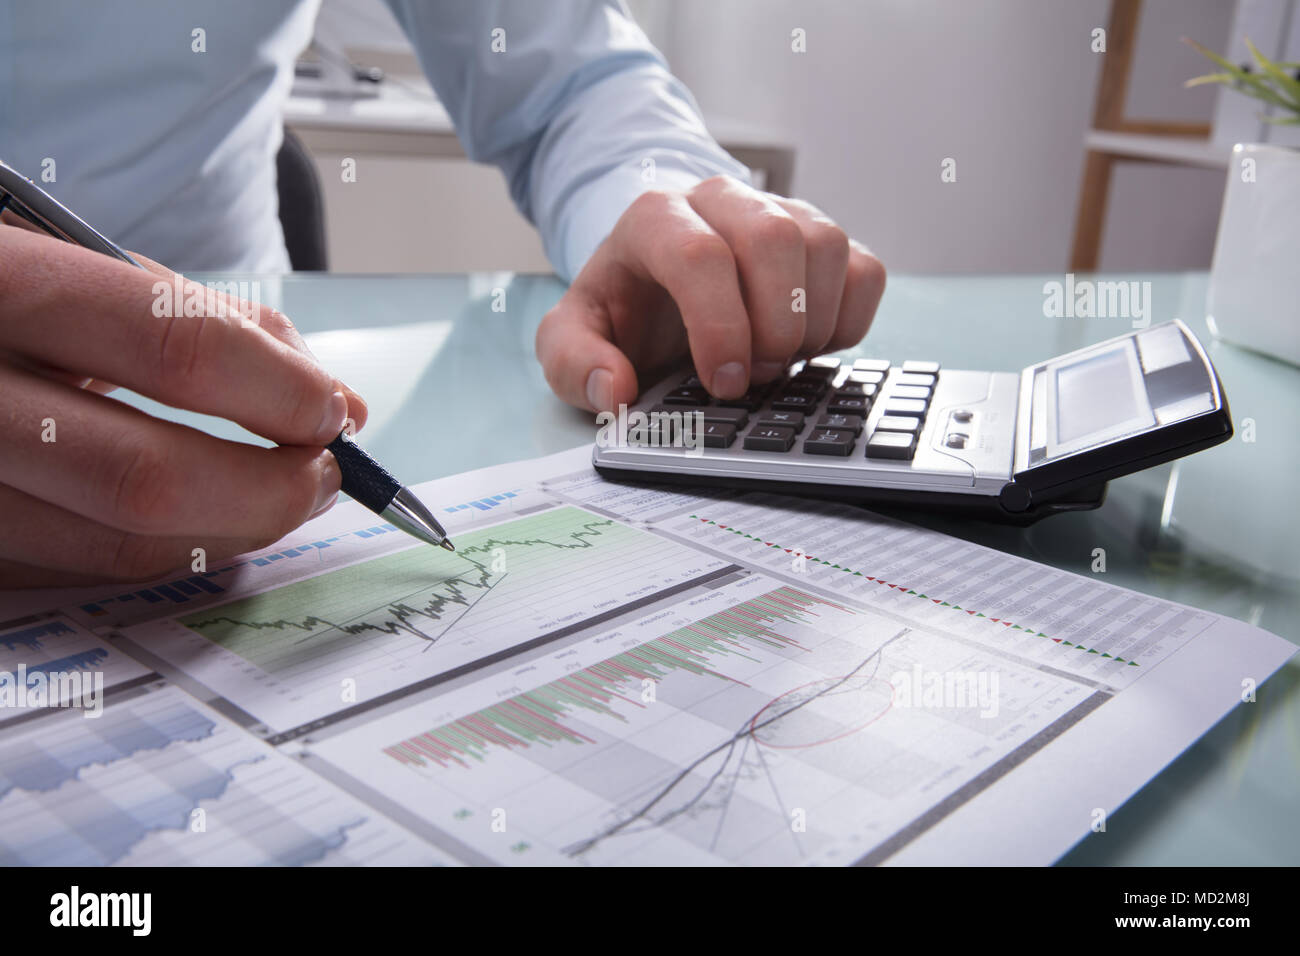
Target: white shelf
{"points": [[1183, 150]]}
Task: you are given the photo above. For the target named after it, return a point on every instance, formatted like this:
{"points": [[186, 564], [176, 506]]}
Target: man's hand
{"points": [[91, 488], [721, 270]]}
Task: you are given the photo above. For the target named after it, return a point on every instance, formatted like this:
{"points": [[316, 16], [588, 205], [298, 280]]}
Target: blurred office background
{"points": [[859, 124]]}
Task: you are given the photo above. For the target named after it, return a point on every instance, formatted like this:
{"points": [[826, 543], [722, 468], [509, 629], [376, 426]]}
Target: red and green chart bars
{"points": [[538, 716]]}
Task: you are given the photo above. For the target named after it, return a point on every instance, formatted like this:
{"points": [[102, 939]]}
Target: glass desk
{"points": [[452, 385]]}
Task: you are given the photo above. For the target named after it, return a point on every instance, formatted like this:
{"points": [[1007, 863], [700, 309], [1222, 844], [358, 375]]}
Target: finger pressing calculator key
{"points": [[1011, 446], [726, 416], [751, 401], [686, 396]]}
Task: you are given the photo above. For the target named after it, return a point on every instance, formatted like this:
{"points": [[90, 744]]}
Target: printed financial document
{"points": [[601, 674]]}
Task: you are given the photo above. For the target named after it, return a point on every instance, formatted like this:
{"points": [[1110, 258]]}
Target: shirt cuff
{"points": [[597, 207]]}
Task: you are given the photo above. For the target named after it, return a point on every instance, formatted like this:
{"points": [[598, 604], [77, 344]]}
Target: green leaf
{"points": [[1249, 83], [1288, 86], [1225, 78], [1211, 55]]}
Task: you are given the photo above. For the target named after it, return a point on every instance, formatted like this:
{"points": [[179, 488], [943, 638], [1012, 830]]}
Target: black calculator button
{"points": [[718, 434], [898, 423], [851, 387], [794, 402], [824, 366], [726, 416], [845, 403], [829, 441], [687, 396], [922, 368], [787, 419], [769, 438], [906, 406], [899, 446], [852, 423], [910, 391], [813, 387], [871, 365], [750, 401], [914, 378], [691, 381], [656, 432]]}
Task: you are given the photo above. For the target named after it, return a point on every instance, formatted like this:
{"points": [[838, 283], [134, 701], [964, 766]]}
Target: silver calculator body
{"points": [[1009, 446]]}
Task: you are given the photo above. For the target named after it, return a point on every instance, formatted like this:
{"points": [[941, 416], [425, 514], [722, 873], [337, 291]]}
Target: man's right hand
{"points": [[93, 489]]}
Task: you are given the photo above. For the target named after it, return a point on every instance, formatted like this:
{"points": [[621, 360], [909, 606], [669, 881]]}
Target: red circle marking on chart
{"points": [[817, 743]]}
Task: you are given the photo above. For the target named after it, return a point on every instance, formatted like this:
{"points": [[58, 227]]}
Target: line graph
{"points": [[734, 753], [756, 723], [391, 621], [161, 781]]}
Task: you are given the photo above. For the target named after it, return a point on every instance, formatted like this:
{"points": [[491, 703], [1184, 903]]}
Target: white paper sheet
{"points": [[605, 674]]}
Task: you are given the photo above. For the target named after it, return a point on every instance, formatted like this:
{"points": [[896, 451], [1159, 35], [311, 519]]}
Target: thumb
{"points": [[581, 363]]}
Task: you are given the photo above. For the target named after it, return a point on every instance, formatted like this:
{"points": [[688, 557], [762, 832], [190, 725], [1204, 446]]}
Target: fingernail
{"points": [[600, 389], [331, 423], [766, 371], [729, 381]]}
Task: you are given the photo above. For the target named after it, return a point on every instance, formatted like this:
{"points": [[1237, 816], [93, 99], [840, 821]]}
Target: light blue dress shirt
{"points": [[171, 152]]}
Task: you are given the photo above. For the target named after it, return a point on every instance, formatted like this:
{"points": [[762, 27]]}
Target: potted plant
{"points": [[1254, 298]]}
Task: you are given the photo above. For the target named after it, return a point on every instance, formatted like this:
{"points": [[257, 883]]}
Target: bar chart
{"points": [[756, 724]]}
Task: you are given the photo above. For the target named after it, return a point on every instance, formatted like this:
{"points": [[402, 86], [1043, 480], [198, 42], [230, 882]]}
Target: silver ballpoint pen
{"points": [[363, 477]]}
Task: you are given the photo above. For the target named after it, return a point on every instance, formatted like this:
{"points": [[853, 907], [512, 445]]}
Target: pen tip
{"points": [[446, 543]]}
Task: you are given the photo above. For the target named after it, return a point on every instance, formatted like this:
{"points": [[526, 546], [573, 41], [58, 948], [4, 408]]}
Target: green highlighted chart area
{"points": [[413, 614]]}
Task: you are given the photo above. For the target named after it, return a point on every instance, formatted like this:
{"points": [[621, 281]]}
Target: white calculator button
{"points": [[871, 365]]}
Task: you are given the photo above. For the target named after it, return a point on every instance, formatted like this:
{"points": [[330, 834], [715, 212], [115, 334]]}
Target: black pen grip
{"points": [[364, 479]]}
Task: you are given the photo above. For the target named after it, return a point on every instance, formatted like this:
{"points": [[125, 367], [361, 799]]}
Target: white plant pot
{"points": [[1254, 298]]}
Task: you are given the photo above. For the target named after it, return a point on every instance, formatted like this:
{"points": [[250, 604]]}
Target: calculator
{"points": [[1011, 447]]}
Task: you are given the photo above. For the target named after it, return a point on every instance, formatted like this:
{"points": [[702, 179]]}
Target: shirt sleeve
{"points": [[571, 101]]}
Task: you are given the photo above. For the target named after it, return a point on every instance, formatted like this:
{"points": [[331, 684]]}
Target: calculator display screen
{"points": [[1086, 400], [1094, 395]]}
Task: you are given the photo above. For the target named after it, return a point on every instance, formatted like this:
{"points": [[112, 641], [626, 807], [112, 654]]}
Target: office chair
{"points": [[302, 211]]}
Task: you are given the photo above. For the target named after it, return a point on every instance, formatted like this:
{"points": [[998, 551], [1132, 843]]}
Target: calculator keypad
{"points": [[836, 399]]}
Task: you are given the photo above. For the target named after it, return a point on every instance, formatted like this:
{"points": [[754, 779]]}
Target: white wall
{"points": [[886, 91], [889, 88]]}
